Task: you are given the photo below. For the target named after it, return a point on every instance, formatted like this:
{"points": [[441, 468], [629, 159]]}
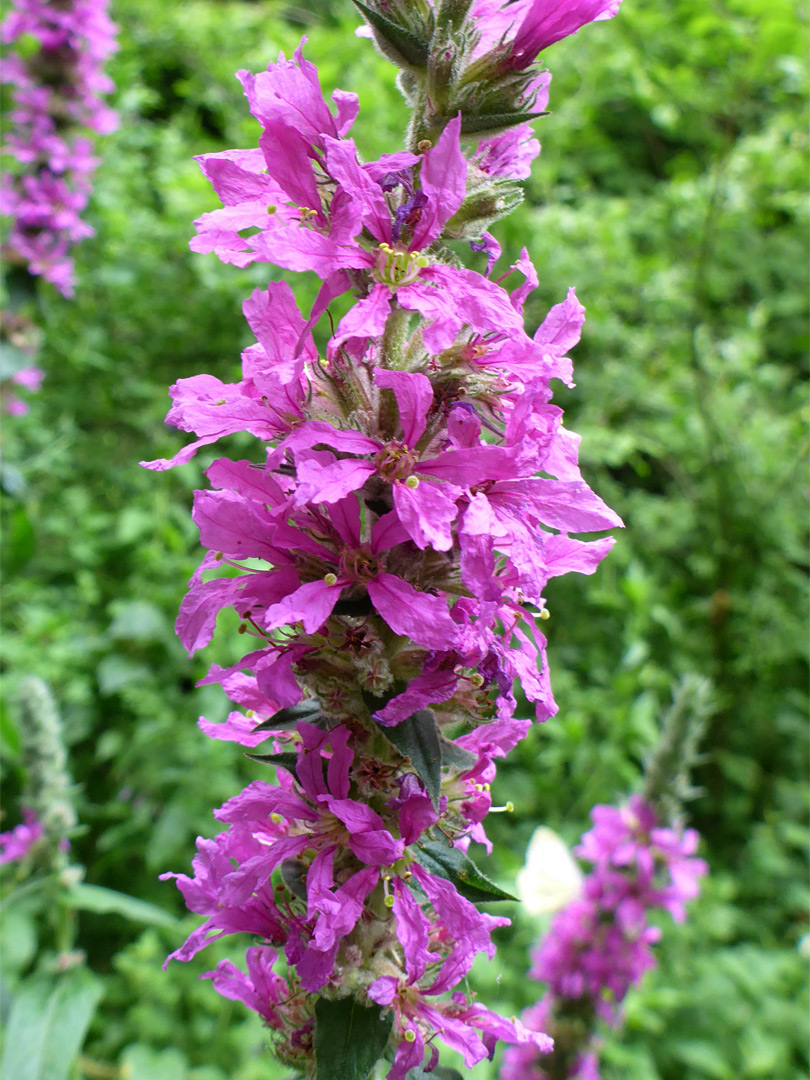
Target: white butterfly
{"points": [[550, 878]]}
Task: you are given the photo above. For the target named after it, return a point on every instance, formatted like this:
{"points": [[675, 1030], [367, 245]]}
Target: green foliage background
{"points": [[671, 192]]}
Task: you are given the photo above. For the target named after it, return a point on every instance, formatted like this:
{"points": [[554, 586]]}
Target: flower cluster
{"points": [[387, 552], [600, 945], [18, 842], [57, 88], [30, 379]]}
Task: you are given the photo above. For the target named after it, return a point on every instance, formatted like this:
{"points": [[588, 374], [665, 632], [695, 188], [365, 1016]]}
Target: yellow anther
{"points": [[422, 260], [410, 1035], [389, 901], [477, 680], [545, 614], [219, 555], [276, 818], [222, 401], [412, 482], [271, 209], [330, 579], [250, 714]]}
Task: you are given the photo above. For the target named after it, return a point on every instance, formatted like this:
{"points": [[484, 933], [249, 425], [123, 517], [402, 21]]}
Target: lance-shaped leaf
{"points": [[455, 866], [102, 901], [417, 738], [49, 1018], [287, 760], [402, 44], [455, 756], [349, 1038], [492, 123], [285, 719]]}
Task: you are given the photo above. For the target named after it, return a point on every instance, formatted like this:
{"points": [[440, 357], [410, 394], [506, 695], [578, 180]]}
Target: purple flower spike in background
{"points": [[18, 842], [600, 944], [57, 99]]}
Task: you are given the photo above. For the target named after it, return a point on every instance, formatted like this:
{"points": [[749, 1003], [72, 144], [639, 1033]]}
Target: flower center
{"points": [[396, 267], [395, 461], [359, 564]]}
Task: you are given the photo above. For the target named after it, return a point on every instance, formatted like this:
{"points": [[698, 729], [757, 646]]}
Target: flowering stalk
{"points": [[49, 816], [600, 944], [391, 546], [56, 70]]}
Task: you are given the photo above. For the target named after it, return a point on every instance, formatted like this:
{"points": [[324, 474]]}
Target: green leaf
{"points": [[409, 47], [49, 1018], [455, 756], [104, 901], [349, 1038], [20, 541], [286, 719], [287, 760], [455, 866], [418, 739], [494, 122]]}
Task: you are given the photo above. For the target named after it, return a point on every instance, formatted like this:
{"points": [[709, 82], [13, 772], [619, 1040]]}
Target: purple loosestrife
{"points": [[56, 96], [386, 550], [600, 945], [18, 842]]}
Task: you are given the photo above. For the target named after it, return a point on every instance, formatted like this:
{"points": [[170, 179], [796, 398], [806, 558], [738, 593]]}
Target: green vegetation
{"points": [[670, 191]]}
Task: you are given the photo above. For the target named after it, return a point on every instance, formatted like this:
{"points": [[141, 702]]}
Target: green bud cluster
{"points": [[667, 771], [48, 789], [439, 76]]}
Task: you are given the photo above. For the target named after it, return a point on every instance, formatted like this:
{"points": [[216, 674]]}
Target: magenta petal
{"points": [[414, 395], [367, 195], [356, 816], [237, 728], [337, 771], [424, 690], [383, 990], [422, 617], [444, 180], [329, 483], [279, 327], [314, 432], [295, 247], [199, 609], [348, 106], [376, 848], [428, 513], [562, 327], [366, 319], [311, 605], [413, 931]]}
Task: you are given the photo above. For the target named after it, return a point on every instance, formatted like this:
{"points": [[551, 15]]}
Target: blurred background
{"points": [[671, 190]]}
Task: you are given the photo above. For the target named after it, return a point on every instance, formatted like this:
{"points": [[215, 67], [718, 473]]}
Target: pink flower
{"points": [[16, 844]]}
